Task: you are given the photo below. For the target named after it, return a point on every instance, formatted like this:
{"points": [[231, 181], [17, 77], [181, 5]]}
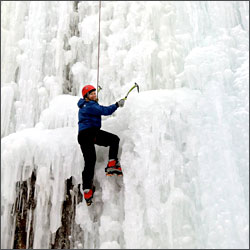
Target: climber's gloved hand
{"points": [[120, 103]]}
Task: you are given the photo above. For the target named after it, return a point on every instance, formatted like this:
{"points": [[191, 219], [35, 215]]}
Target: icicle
{"points": [[53, 237], [19, 196], [13, 231], [28, 227], [186, 132]]}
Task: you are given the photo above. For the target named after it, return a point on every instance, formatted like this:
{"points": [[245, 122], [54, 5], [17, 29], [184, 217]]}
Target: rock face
{"points": [[67, 234], [23, 211], [24, 208]]}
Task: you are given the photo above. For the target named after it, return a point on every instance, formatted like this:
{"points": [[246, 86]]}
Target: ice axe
{"points": [[135, 86], [99, 88]]}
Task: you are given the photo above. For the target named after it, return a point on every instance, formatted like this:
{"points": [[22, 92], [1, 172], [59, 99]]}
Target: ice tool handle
{"points": [[135, 86], [99, 88]]}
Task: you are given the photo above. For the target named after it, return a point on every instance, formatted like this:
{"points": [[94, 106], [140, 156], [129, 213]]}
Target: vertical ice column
{"points": [[13, 16]]}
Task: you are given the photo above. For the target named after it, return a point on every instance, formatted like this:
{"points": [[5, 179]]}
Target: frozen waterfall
{"points": [[184, 145]]}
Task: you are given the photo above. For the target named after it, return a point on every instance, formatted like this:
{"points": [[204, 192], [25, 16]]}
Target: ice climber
{"points": [[90, 133]]}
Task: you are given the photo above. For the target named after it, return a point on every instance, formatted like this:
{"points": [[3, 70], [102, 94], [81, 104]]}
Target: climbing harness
{"points": [[98, 48]]}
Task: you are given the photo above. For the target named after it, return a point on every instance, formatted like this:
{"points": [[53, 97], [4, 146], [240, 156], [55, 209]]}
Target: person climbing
{"points": [[90, 133]]}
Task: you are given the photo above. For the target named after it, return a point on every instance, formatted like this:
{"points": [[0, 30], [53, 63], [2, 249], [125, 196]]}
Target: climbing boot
{"points": [[88, 195], [113, 167]]}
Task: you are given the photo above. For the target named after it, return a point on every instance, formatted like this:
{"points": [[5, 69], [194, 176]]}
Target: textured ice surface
{"points": [[183, 138]]}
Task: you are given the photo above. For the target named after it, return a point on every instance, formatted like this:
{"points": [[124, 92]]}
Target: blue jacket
{"points": [[90, 113]]}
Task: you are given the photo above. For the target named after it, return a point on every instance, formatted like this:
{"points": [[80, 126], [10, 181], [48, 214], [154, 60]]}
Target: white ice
{"points": [[184, 138]]}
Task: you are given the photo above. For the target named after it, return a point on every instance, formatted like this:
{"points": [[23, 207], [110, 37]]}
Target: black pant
{"points": [[87, 139]]}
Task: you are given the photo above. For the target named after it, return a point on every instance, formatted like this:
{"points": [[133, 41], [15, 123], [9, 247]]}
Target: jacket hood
{"points": [[81, 103]]}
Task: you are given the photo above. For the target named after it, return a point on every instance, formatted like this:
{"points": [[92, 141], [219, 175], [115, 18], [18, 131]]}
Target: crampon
{"points": [[88, 195], [113, 168]]}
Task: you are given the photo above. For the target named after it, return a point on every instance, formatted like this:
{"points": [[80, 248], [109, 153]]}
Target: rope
{"points": [[98, 48]]}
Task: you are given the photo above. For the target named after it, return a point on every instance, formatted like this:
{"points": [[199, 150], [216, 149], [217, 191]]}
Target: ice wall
{"points": [[184, 138]]}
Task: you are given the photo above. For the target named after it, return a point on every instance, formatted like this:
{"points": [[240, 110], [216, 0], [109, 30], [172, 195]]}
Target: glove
{"points": [[120, 103]]}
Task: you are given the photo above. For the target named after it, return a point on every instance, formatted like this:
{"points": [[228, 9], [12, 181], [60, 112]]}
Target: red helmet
{"points": [[86, 89]]}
